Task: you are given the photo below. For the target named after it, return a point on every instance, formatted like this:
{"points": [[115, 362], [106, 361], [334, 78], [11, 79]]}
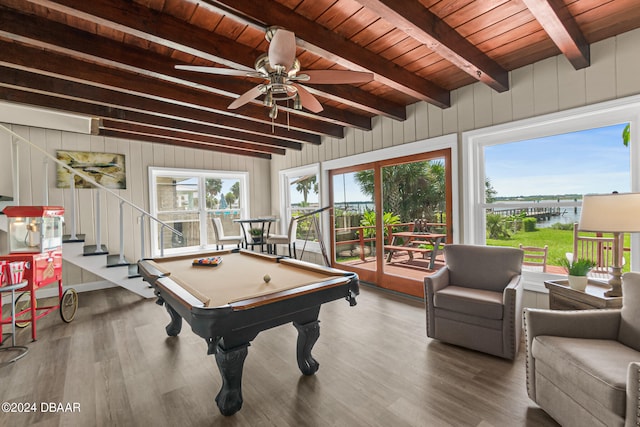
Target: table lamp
{"points": [[611, 213]]}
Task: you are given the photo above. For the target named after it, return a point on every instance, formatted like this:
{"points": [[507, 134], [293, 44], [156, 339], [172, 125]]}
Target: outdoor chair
{"points": [[535, 257], [221, 239], [598, 249], [475, 300]]}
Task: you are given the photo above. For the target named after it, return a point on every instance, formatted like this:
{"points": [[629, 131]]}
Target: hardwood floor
{"points": [[377, 368]]}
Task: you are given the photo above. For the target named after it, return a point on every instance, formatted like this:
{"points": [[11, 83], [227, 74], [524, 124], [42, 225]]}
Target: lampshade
{"points": [[612, 213]]}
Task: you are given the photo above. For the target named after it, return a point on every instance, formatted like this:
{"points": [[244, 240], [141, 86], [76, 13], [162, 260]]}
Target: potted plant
{"points": [[577, 271], [256, 234]]}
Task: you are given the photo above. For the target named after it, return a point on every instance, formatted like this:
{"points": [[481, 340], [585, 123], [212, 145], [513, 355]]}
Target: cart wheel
{"points": [[69, 305], [23, 302]]}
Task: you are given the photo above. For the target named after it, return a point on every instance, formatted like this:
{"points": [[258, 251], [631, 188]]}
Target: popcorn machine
{"points": [[35, 255]]}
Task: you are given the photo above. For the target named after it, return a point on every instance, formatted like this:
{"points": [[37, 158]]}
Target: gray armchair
{"points": [[583, 367], [475, 301]]}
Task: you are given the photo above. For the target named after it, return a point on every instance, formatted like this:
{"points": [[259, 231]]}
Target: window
{"points": [[300, 194], [187, 200], [545, 165]]}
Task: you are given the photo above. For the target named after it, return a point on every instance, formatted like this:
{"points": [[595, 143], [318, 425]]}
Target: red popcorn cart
{"points": [[35, 256]]}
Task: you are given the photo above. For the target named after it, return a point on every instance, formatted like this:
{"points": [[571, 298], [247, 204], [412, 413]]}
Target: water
{"points": [[568, 216]]}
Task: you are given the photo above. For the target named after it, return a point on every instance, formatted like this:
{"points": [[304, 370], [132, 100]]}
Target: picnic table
{"points": [[411, 244]]}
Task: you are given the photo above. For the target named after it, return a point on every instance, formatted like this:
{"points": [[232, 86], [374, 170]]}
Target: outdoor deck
{"points": [[400, 265], [418, 268]]}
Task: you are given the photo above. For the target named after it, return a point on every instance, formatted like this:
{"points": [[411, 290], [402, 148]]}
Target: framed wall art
{"points": [[107, 169]]}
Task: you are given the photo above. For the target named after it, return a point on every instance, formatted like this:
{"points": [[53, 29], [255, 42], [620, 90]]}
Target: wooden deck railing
{"points": [[390, 229]]}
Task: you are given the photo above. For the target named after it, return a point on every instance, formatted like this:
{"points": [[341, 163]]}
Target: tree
{"points": [[410, 190], [305, 186], [490, 193], [626, 135], [230, 198], [213, 186], [235, 190]]}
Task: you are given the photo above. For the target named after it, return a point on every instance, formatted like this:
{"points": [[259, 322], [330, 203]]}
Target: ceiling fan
{"points": [[281, 70]]}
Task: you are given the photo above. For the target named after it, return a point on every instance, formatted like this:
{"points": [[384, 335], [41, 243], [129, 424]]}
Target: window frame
{"points": [[201, 175], [284, 178], [624, 110]]}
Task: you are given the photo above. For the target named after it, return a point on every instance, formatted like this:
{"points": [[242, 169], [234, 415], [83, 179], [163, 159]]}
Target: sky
{"points": [[589, 161]]}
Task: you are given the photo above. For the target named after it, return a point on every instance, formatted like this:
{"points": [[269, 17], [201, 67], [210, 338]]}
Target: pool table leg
{"points": [[308, 334], [175, 326], [230, 363]]}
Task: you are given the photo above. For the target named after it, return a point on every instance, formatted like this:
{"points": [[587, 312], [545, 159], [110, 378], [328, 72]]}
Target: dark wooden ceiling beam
{"points": [[323, 42], [66, 89], [180, 142], [563, 29], [144, 87], [79, 107], [132, 82], [135, 117], [418, 22], [142, 129], [137, 20]]}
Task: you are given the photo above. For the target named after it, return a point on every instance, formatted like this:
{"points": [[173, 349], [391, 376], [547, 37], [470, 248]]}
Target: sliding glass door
{"points": [[354, 227], [392, 218]]}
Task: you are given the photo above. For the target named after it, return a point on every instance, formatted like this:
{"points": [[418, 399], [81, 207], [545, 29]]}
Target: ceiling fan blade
{"points": [[337, 76], [213, 70], [246, 97], [282, 50], [308, 101]]}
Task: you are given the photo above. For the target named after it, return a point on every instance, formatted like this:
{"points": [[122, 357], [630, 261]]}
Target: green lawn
{"points": [[559, 241]]}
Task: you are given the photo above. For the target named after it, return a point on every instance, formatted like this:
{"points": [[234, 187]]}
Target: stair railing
{"points": [[90, 180]]}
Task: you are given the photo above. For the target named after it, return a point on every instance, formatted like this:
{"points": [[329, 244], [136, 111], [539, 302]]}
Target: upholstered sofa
{"points": [[475, 301], [583, 367]]}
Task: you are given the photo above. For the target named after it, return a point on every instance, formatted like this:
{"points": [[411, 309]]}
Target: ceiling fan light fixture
{"points": [[297, 103], [271, 31], [273, 112], [295, 68], [262, 65], [268, 99]]}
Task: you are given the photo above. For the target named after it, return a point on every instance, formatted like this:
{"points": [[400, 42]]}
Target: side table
{"points": [[21, 350], [562, 297]]}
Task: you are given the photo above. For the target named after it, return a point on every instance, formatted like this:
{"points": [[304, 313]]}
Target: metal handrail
{"points": [[92, 181]]}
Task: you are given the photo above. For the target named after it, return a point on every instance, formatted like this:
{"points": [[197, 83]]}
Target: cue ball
{"points": [[266, 278]]}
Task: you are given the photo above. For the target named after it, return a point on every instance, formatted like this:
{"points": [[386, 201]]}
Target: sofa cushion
{"points": [[630, 317], [597, 368], [482, 267], [476, 302]]}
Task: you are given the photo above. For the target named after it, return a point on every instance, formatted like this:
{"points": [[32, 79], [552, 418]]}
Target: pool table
{"points": [[230, 303]]}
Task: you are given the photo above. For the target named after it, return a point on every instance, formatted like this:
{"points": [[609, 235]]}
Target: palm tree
{"points": [[213, 186], [411, 190], [305, 186]]}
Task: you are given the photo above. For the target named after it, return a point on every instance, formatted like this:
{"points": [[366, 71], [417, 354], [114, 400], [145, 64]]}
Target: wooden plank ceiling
{"points": [[114, 59]]}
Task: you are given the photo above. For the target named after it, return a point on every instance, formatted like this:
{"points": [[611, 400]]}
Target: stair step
{"points": [[89, 250], [133, 271], [114, 261]]}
